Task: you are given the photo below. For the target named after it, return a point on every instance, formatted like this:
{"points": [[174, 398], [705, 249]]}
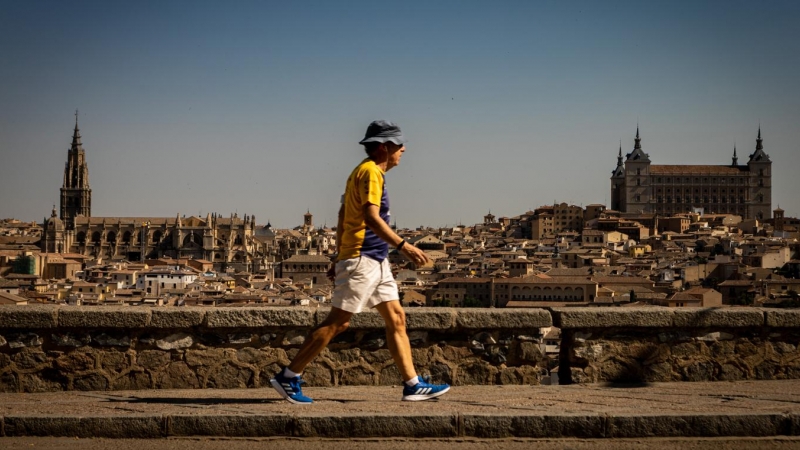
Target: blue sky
{"points": [[257, 107]]}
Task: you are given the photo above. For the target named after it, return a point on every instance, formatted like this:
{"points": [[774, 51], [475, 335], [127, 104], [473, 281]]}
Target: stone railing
{"points": [[120, 348], [116, 348], [677, 344]]}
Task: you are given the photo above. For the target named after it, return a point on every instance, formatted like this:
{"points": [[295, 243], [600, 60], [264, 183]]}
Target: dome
{"points": [[54, 223]]}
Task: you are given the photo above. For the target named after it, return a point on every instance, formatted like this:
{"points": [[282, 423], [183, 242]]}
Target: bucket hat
{"points": [[383, 131]]}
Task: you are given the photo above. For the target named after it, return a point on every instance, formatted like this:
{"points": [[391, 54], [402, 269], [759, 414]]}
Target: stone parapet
{"points": [[51, 348], [680, 344], [120, 348]]}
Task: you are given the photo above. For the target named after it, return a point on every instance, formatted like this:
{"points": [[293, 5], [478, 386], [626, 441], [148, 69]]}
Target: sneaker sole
{"points": [[277, 386], [419, 398]]}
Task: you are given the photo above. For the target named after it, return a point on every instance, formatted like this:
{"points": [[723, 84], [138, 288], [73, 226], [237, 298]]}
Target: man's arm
{"points": [[373, 220]]}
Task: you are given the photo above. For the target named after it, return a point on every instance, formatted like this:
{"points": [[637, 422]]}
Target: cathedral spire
{"points": [[76, 134], [735, 159], [638, 140], [759, 145], [619, 155]]}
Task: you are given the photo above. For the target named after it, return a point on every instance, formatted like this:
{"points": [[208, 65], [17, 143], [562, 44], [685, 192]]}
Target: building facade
{"points": [[638, 186]]}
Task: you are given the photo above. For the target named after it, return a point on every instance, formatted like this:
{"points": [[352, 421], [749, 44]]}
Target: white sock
{"points": [[289, 374], [413, 382]]}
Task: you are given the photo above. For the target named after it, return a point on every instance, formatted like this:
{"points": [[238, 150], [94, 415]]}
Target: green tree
{"points": [[470, 302]]}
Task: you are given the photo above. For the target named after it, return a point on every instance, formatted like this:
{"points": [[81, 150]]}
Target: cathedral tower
{"points": [[76, 196]]}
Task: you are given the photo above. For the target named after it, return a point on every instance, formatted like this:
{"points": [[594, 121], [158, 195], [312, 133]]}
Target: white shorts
{"points": [[363, 282]]}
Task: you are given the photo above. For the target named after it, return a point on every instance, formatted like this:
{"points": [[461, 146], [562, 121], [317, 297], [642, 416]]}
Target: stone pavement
{"points": [[744, 408]]}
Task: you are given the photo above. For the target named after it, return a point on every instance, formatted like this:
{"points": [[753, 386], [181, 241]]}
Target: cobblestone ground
{"points": [[778, 443]]}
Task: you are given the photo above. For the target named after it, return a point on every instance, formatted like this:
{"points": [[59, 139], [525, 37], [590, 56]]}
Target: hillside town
{"points": [[556, 255], [675, 236]]}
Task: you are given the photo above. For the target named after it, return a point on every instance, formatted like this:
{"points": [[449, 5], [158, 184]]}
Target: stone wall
{"points": [[50, 348], [107, 348], [677, 344]]}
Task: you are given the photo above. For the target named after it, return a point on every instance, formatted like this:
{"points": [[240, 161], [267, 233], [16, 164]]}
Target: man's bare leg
{"points": [[399, 346], [337, 321]]}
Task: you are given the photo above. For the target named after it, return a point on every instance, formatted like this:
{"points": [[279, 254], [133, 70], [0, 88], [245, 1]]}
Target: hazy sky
{"points": [[257, 107]]}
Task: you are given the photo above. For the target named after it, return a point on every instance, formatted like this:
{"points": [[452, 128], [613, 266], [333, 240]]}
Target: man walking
{"points": [[363, 277]]}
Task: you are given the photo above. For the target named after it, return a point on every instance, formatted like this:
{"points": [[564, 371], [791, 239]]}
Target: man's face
{"points": [[395, 153]]}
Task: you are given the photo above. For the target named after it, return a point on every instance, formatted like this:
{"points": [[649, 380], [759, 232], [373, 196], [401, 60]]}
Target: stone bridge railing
{"points": [[117, 348]]}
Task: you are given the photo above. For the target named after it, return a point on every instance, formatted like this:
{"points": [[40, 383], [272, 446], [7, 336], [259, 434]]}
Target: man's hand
{"points": [[416, 255]]}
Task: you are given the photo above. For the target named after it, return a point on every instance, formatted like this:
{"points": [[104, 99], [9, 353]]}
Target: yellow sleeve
{"points": [[371, 187]]}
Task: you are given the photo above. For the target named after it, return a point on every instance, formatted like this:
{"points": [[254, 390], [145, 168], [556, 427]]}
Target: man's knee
{"points": [[396, 320]]}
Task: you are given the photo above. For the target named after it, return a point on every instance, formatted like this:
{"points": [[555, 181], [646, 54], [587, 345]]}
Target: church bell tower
{"points": [[76, 196]]}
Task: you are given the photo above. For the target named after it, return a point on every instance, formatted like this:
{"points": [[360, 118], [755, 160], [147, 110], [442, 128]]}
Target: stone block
{"points": [[699, 425], [430, 318], [176, 376], [230, 425], [717, 317], [175, 341], [364, 425], [260, 317], [793, 424], [503, 318], [789, 318], [365, 320], [605, 317], [533, 426], [105, 317], [28, 316], [177, 317], [130, 426]]}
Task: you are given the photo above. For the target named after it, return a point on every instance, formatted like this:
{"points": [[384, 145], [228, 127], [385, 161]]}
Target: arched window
{"points": [[157, 237], [111, 238], [126, 237], [81, 237], [96, 237]]}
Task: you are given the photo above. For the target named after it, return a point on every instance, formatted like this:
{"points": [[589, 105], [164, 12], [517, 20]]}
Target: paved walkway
{"points": [[747, 408]]}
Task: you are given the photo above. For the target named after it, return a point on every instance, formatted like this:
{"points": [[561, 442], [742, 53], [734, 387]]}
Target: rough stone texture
{"points": [[230, 426], [28, 316], [246, 346], [506, 426], [783, 318], [362, 320], [604, 317], [717, 317], [506, 318], [71, 339], [260, 317], [430, 318], [131, 426], [371, 425], [709, 425], [642, 356], [175, 341], [105, 317], [177, 317], [22, 340]]}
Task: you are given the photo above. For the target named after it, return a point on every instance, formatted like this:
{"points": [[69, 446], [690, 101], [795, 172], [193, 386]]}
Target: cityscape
{"points": [[673, 236], [569, 224]]}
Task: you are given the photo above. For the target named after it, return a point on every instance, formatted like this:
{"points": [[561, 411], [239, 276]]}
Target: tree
{"points": [[470, 302]]}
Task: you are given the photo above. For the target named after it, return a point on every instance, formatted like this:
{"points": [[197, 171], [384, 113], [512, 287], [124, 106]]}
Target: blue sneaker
{"points": [[289, 388], [423, 391]]}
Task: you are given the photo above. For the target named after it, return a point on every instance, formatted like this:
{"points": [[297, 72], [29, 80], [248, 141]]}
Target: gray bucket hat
{"points": [[383, 131]]}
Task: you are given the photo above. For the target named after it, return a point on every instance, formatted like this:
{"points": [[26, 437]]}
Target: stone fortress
{"points": [[638, 186]]}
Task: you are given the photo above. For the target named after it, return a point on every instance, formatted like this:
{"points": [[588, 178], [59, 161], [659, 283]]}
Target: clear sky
{"points": [[257, 107]]}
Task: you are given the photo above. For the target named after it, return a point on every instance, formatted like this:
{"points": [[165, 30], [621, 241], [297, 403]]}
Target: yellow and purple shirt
{"points": [[366, 184]]}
